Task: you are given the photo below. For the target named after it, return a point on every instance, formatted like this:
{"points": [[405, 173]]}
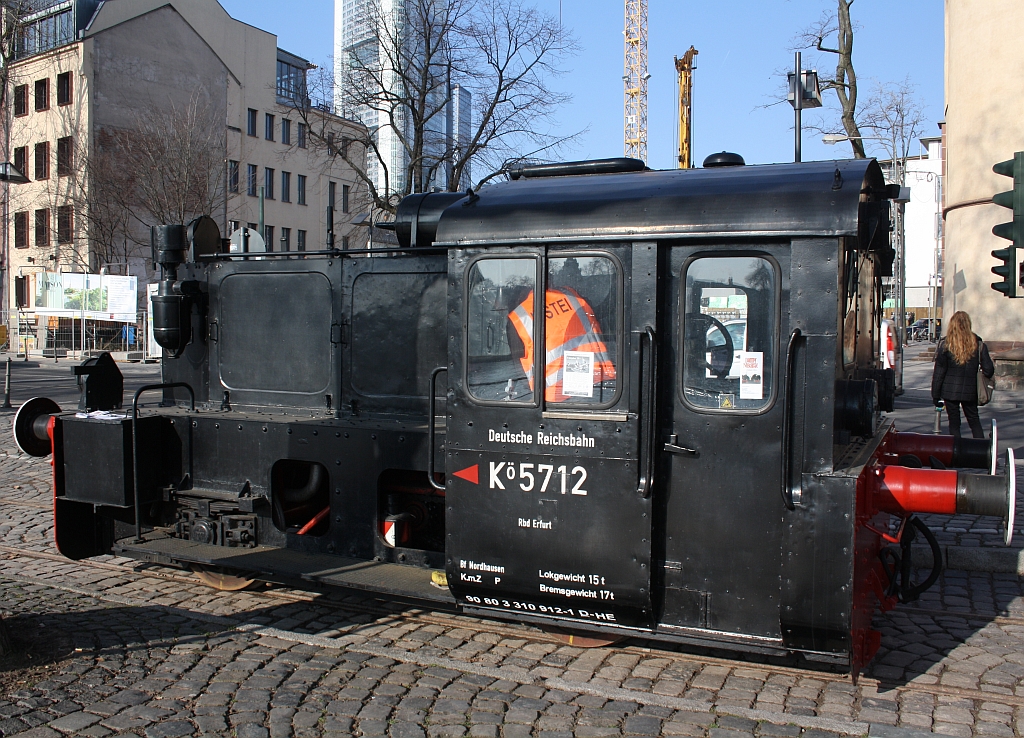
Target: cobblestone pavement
{"points": [[151, 652]]}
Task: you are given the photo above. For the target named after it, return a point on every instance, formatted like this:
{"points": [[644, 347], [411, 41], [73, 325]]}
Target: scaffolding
{"points": [[635, 79]]}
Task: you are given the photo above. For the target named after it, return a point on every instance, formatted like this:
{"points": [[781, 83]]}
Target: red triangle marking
{"points": [[470, 474]]}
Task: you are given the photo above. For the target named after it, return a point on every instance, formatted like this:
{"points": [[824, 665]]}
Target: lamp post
{"points": [[8, 174], [803, 93]]}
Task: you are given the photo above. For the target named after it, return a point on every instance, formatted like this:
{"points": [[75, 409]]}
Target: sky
{"points": [[742, 44]]}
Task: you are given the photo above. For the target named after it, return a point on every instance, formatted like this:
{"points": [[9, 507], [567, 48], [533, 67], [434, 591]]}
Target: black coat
{"points": [[959, 382]]}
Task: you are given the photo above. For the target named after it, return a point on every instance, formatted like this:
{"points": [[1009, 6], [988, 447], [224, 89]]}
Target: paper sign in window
{"points": [[751, 375], [578, 374]]}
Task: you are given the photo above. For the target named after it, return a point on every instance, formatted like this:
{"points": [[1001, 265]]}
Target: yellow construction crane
{"points": [[635, 79], [685, 68]]}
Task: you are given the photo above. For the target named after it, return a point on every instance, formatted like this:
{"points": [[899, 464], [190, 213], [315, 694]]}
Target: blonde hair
{"points": [[960, 340]]}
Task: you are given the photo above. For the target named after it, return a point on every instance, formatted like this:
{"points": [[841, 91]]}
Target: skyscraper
{"points": [[359, 43]]}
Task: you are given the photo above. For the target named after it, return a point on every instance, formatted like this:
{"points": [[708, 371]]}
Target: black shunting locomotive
{"points": [[690, 446]]}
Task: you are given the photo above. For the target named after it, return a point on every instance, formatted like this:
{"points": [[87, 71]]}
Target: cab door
{"points": [[548, 514], [723, 369]]}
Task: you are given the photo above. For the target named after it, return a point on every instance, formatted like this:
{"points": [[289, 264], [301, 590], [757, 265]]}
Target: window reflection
{"points": [[729, 333]]}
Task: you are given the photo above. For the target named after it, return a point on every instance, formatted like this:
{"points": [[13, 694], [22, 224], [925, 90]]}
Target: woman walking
{"points": [[955, 377]]}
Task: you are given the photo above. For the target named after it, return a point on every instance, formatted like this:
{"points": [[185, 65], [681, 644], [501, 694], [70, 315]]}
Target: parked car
{"points": [[921, 330], [738, 333]]}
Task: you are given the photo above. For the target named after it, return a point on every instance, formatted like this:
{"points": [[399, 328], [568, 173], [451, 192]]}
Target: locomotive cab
{"points": [[598, 397]]}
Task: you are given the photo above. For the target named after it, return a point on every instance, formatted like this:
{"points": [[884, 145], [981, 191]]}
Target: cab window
{"points": [[729, 333], [496, 287], [581, 331], [579, 363]]}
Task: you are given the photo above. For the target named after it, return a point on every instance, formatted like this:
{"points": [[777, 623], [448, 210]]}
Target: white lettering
{"points": [[495, 471]]}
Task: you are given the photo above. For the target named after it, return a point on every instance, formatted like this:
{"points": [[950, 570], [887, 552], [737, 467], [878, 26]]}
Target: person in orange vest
{"points": [[570, 325]]}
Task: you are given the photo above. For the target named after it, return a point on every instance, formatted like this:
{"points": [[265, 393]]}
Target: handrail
{"points": [[135, 444], [431, 399], [787, 405], [647, 425]]}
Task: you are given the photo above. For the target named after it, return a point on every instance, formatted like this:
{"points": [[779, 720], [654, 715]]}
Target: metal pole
{"points": [[85, 292], [798, 104], [7, 386]]}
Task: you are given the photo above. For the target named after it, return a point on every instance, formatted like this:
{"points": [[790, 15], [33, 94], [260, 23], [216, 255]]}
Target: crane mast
{"points": [[685, 69], [635, 79]]}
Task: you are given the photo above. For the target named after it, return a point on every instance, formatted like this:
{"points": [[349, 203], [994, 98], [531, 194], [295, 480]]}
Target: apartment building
{"points": [[87, 70]]}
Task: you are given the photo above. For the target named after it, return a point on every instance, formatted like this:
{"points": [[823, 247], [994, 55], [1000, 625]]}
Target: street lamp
{"points": [[803, 93], [9, 173]]}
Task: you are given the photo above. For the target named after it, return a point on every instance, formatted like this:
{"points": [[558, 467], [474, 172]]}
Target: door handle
{"points": [[788, 494], [648, 371], [431, 399], [672, 447]]}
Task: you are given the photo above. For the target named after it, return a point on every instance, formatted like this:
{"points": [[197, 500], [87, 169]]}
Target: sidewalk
{"points": [[969, 542]]}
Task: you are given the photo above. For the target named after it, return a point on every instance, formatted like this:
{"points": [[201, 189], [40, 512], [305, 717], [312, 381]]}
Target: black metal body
{"points": [[669, 505]]}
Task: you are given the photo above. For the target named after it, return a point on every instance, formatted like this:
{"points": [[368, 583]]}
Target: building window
{"points": [[21, 159], [268, 236], [286, 186], [43, 227], [21, 230], [268, 183], [300, 241], [251, 226], [232, 226], [286, 131], [344, 198], [286, 239], [250, 179], [268, 132], [344, 243], [332, 193], [48, 31], [42, 163], [65, 156], [291, 81], [21, 100], [300, 187], [64, 88], [65, 224], [251, 123], [232, 176], [302, 135], [42, 98]]}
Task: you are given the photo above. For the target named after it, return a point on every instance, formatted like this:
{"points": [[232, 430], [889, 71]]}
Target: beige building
{"points": [[984, 125], [87, 70]]}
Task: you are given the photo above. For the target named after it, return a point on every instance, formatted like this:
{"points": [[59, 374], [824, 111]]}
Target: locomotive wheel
{"points": [[221, 580]]}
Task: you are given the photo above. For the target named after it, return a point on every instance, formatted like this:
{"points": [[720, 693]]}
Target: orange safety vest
{"points": [[569, 325]]}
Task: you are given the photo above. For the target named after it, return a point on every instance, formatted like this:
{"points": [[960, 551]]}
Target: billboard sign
{"points": [[106, 296]]}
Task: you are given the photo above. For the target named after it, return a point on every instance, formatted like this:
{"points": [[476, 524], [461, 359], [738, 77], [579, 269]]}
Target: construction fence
{"points": [[51, 336]]}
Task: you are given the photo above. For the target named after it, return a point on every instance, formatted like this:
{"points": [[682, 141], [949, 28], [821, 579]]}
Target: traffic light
{"points": [[1013, 231]]}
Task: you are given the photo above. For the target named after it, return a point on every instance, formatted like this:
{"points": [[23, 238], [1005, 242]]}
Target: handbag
{"points": [[986, 386]]}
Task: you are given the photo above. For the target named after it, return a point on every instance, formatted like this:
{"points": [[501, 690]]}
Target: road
{"points": [[147, 650]]}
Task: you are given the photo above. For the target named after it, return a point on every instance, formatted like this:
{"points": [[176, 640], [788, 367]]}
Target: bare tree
{"points": [[893, 113], [400, 81], [833, 34]]}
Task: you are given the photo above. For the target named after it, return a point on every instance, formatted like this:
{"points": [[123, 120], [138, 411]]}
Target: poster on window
{"points": [[752, 375], [578, 374]]}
